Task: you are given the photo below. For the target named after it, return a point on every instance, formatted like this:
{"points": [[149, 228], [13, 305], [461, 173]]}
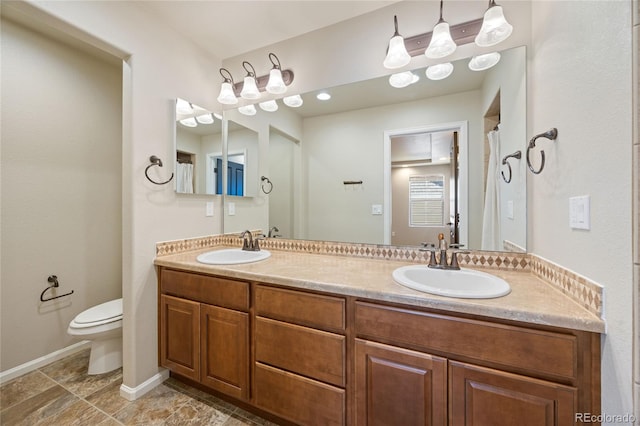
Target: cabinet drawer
{"points": [[312, 353], [203, 288], [323, 312], [298, 399], [541, 352]]}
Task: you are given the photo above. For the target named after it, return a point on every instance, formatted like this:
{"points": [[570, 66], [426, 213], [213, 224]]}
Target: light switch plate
{"points": [[209, 209], [510, 209], [376, 209], [232, 209], [580, 212]]}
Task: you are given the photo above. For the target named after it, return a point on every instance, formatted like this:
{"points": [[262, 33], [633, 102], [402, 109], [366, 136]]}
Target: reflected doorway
{"points": [[282, 173]]}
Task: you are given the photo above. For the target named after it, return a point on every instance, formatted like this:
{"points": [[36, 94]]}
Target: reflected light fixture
{"points": [[247, 110], [323, 96], [269, 106], [204, 118], [275, 85], [250, 86], [495, 27], [397, 55], [439, 71], [484, 62], [183, 107], [189, 122], [227, 96], [441, 43], [403, 79], [294, 101]]}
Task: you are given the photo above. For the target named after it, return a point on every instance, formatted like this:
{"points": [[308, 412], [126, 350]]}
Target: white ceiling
{"points": [[231, 28]]}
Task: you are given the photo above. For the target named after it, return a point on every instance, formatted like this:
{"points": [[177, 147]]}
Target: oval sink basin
{"points": [[465, 283], [232, 256]]}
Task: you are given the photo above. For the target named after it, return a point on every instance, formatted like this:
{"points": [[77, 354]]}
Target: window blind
{"points": [[426, 200]]}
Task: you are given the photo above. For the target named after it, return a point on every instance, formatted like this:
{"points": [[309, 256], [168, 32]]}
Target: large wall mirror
{"points": [[384, 165]]}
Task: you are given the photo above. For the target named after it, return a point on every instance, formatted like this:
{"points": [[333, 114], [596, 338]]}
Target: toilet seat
{"points": [[104, 313]]}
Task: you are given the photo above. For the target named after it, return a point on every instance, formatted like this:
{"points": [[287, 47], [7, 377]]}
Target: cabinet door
{"points": [[180, 336], [481, 396], [224, 334], [397, 386]]}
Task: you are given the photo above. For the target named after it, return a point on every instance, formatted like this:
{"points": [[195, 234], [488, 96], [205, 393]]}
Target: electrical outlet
{"points": [[232, 209], [209, 209]]}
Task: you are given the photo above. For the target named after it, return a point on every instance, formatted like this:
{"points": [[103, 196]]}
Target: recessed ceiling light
{"points": [[323, 96]]}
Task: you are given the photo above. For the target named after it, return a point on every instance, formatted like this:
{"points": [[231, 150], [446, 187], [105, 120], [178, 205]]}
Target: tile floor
{"points": [[62, 393]]}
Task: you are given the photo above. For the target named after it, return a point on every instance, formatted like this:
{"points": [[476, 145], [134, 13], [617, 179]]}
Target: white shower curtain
{"points": [[491, 216], [184, 178]]}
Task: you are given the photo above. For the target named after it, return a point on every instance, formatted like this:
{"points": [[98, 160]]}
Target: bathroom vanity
{"points": [[316, 339]]}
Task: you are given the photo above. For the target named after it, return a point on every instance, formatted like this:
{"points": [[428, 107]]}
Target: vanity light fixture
{"points": [[189, 122], [484, 62], [275, 85], [441, 43], [397, 55], [403, 79], [294, 101], [247, 110], [218, 116], [204, 118], [495, 27], [439, 71], [183, 107], [323, 96], [250, 86], [227, 96], [269, 106]]}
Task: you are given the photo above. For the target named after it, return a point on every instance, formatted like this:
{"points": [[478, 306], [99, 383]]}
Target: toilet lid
{"points": [[104, 312]]}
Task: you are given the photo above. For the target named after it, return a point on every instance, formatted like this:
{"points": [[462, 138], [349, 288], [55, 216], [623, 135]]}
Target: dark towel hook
{"points": [[53, 283], [155, 161], [551, 135], [518, 155]]}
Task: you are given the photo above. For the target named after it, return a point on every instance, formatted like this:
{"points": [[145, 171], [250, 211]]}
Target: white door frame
{"points": [[463, 181]]}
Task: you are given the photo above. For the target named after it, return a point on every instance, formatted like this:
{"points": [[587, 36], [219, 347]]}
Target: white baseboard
{"points": [[131, 394], [30, 366]]}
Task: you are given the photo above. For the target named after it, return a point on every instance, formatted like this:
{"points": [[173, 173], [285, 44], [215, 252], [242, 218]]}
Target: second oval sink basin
{"points": [[465, 283], [232, 256]]}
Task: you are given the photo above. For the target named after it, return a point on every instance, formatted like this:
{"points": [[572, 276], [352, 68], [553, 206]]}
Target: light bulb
{"points": [[484, 62], [403, 79], [439, 71], [250, 89], [247, 110], [323, 96], [189, 122], [269, 106], [227, 95], [294, 101], [441, 43], [276, 84], [495, 27]]}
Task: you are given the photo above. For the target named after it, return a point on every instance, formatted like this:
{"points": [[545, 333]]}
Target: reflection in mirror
{"points": [[242, 161], [282, 160], [349, 139], [198, 147]]}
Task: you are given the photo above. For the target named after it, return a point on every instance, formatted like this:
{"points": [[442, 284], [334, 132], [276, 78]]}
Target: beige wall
{"points": [[61, 189], [580, 82]]}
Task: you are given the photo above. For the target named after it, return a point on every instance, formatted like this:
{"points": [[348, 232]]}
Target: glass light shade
{"points": [[227, 96], [403, 79], [218, 116], [247, 110], [440, 71], [484, 62], [269, 106], [276, 84], [250, 89], [441, 43], [294, 101], [495, 28], [189, 122], [183, 107], [397, 55], [205, 119]]}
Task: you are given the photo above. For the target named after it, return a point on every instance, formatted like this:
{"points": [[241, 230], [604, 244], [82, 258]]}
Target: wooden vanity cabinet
{"points": [[204, 330], [300, 356]]}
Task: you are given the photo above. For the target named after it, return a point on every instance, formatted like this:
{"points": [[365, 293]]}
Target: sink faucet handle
{"points": [[454, 258], [256, 242]]}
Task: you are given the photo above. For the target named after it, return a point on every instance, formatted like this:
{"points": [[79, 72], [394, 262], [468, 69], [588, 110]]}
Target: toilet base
{"points": [[106, 355]]}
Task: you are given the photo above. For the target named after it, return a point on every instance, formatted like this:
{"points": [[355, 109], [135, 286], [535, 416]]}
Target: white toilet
{"points": [[102, 325]]}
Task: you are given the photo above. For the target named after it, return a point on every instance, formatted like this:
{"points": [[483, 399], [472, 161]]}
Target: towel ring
{"points": [[155, 161], [551, 135], [263, 179], [518, 155]]}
